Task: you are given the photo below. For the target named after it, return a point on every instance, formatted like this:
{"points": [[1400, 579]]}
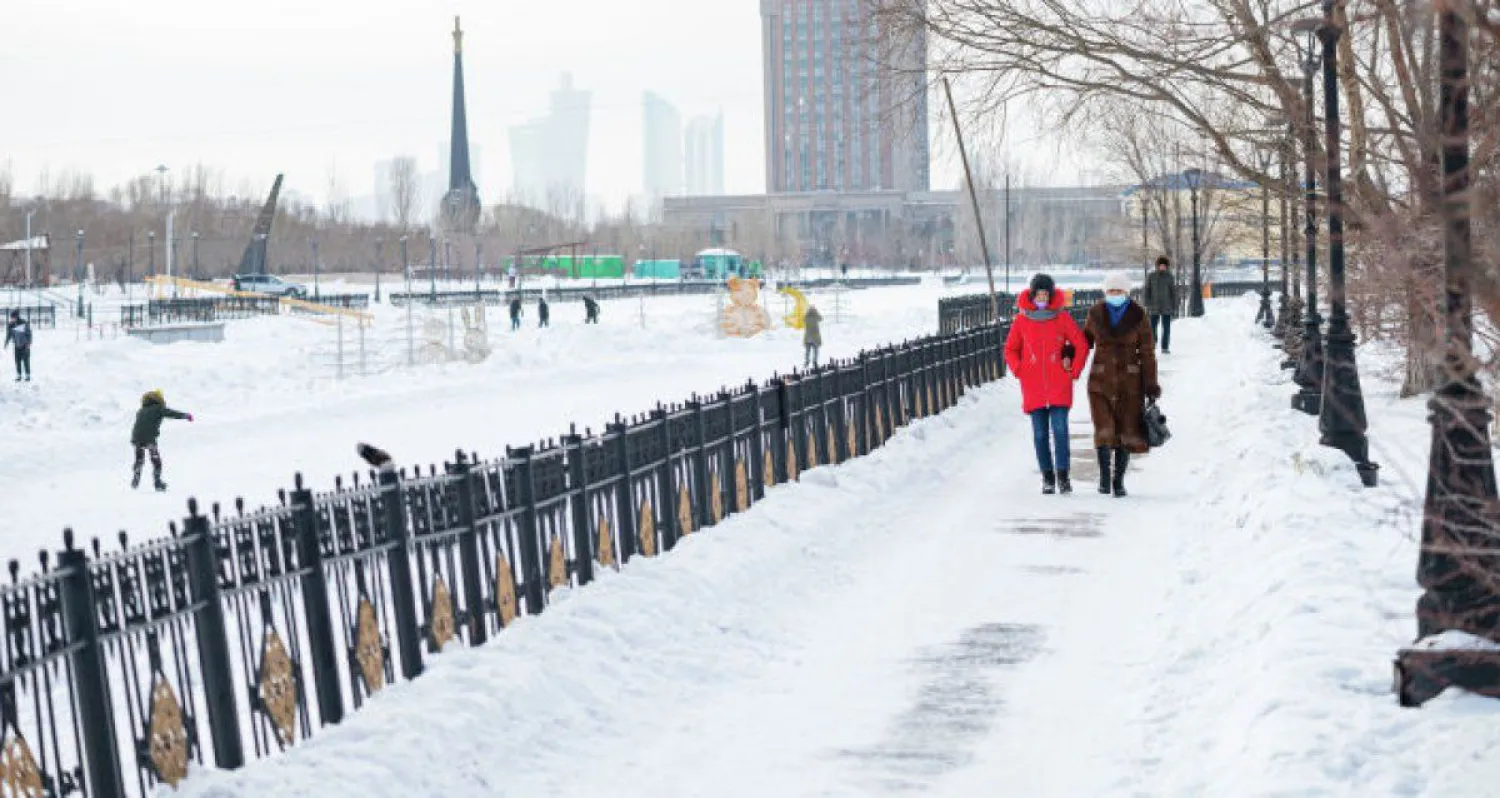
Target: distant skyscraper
{"points": [[663, 140], [460, 210], [704, 151], [834, 120], [549, 155]]}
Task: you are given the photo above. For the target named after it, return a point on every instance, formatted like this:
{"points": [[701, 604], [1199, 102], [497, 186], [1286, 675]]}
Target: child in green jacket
{"points": [[146, 431]]}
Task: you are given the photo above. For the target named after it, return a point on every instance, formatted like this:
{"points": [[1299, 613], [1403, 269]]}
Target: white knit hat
{"points": [[1117, 281]]}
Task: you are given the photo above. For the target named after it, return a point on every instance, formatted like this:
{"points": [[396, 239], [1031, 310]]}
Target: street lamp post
{"points": [[1145, 235], [1283, 309], [150, 253], [432, 267], [197, 275], [1309, 372], [478, 259], [1265, 316], [1342, 421], [317, 272], [78, 274], [29, 214], [405, 266], [379, 246], [1195, 299], [1457, 564]]}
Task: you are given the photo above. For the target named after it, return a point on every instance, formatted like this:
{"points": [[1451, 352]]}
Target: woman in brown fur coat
{"points": [[1122, 375]]}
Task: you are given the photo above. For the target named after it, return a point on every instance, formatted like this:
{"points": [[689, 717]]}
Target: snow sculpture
{"points": [[744, 317]]}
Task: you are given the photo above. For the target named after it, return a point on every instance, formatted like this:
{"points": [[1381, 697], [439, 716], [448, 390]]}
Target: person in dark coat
{"points": [[1123, 374], [543, 313], [1046, 351], [812, 335], [590, 310], [145, 433], [515, 313], [1160, 298], [18, 333]]}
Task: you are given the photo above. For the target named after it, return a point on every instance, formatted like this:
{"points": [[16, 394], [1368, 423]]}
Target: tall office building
{"points": [[703, 149], [845, 111], [663, 141], [549, 155]]}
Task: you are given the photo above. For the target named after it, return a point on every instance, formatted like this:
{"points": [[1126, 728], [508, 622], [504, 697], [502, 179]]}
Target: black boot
{"points": [[135, 479], [1064, 485], [1122, 462], [1104, 476], [1049, 483]]}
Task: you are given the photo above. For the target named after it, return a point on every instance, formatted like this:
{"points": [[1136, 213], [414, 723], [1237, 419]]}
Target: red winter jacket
{"points": [[1033, 353]]}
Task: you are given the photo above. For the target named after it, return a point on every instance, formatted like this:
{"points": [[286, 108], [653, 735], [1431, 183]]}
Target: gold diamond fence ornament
{"points": [[168, 736], [684, 512], [833, 449], [716, 500], [812, 450], [880, 422], [606, 545], [505, 591], [442, 624], [851, 440], [768, 468], [557, 564], [791, 462], [21, 778], [278, 688], [647, 530], [741, 487], [368, 651]]}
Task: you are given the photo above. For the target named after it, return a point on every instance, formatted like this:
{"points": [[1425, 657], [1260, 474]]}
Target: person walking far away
{"points": [[145, 433], [515, 313], [1160, 297], [543, 312], [1122, 376], [590, 310], [18, 333], [812, 335], [1046, 352]]}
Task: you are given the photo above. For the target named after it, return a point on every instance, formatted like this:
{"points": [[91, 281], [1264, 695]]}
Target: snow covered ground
{"points": [[922, 621]]}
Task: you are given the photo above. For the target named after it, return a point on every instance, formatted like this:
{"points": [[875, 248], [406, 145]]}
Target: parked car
{"points": [[268, 284]]}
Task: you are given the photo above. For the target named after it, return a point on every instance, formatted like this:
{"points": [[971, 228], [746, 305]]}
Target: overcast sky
{"points": [[307, 86]]}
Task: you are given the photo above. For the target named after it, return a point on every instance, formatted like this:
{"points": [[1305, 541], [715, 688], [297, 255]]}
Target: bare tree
{"points": [[404, 192]]}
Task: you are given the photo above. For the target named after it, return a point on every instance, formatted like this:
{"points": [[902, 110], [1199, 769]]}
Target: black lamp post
{"points": [[432, 266], [1342, 421], [197, 275], [1145, 234], [1265, 316], [78, 274], [379, 246], [317, 272], [150, 253], [1457, 567], [478, 259], [1283, 308], [1309, 372], [1195, 297]]}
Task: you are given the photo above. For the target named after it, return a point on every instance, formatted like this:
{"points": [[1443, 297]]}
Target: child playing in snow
{"points": [[146, 431]]}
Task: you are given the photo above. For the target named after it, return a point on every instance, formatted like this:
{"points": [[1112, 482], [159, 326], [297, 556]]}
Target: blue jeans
{"points": [[1057, 419]]}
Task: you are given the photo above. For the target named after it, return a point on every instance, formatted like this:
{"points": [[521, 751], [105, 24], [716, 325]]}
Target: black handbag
{"points": [[1157, 433]]}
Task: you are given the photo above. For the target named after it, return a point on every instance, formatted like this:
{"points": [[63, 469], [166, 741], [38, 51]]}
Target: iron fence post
{"points": [[468, 547], [213, 641], [403, 600], [624, 496], [578, 501], [101, 755], [531, 560], [671, 528], [757, 475], [703, 512], [321, 642], [664, 477]]}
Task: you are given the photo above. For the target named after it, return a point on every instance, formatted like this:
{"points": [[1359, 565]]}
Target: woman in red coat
{"points": [[1046, 351]]}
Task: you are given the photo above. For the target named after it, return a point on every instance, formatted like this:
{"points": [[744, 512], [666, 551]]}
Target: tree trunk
{"points": [[1424, 349]]}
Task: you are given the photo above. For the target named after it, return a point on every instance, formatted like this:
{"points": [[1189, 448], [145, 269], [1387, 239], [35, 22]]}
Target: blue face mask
{"points": [[1117, 300]]}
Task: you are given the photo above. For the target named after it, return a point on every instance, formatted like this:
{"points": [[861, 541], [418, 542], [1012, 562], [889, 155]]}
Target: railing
{"points": [[242, 634], [35, 315], [1223, 290], [972, 311], [501, 296]]}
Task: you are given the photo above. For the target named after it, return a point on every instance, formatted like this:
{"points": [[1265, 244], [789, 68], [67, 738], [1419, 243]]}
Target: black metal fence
{"points": [[499, 296], [242, 634], [35, 315], [220, 308], [972, 311], [1220, 290]]}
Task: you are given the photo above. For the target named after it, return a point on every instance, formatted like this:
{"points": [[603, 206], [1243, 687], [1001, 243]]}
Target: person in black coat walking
{"points": [[1160, 298], [515, 313], [543, 313], [18, 333], [590, 310]]}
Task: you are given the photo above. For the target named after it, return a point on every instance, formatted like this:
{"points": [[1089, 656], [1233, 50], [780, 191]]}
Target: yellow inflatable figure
{"points": [[795, 319], [744, 317]]}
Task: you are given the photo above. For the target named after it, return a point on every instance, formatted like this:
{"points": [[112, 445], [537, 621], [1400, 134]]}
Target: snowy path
{"points": [[922, 622]]}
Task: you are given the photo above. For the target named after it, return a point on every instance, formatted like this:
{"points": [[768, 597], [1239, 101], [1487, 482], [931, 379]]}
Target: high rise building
{"points": [[663, 140], [845, 110], [703, 149], [549, 155]]}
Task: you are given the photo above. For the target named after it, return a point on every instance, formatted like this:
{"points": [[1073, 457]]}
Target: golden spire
{"points": [[458, 37]]}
